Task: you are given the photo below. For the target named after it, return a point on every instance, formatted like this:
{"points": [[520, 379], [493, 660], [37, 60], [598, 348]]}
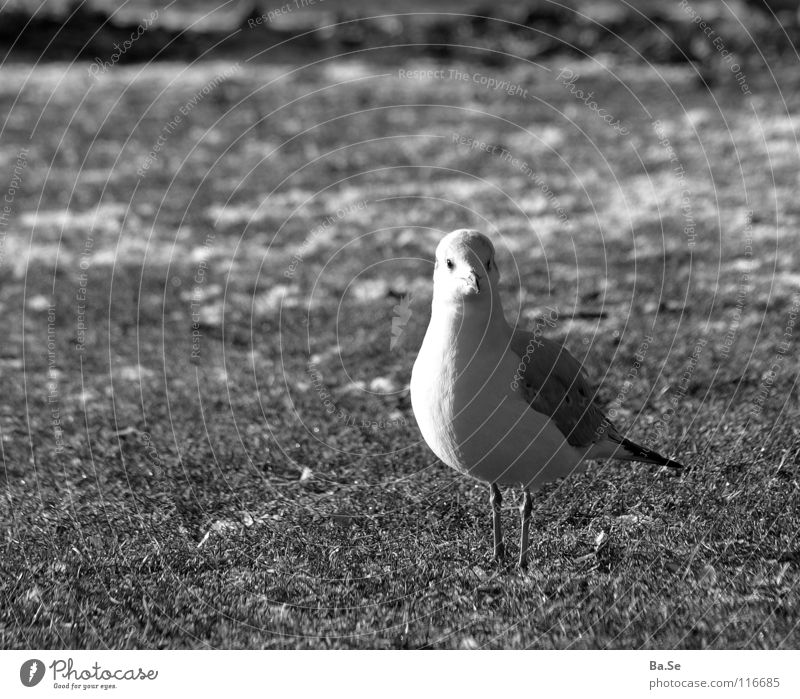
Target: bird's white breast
{"points": [[474, 419]]}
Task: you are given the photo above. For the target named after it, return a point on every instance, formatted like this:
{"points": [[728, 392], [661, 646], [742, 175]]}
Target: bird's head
{"points": [[465, 270]]}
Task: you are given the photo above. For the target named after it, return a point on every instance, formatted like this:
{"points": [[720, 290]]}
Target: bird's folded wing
{"points": [[554, 383]]}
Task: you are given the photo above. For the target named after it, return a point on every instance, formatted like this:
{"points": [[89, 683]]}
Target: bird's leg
{"points": [[495, 499], [525, 510]]}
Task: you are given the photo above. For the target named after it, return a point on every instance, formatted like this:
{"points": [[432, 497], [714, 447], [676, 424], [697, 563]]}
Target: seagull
{"points": [[502, 404]]}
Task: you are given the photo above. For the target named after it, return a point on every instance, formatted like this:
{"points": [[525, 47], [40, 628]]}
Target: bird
{"points": [[503, 404]]}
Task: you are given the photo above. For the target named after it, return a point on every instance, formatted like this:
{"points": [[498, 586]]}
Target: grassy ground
{"points": [[203, 493]]}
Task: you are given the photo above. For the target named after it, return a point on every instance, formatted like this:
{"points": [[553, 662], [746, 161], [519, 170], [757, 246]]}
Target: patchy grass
{"points": [[204, 494]]}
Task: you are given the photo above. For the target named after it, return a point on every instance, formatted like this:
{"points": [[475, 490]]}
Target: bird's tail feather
{"points": [[617, 447], [633, 452]]}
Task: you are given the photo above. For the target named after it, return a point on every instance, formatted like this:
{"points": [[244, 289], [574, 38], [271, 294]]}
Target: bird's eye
{"points": [[488, 265], [449, 263]]}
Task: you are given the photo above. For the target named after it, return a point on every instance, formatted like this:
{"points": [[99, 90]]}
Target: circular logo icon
{"points": [[31, 672]]}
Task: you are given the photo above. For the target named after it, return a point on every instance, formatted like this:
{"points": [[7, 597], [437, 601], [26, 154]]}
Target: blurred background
{"points": [[216, 237]]}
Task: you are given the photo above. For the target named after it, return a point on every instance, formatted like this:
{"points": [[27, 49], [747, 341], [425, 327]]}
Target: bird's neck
{"points": [[470, 320]]}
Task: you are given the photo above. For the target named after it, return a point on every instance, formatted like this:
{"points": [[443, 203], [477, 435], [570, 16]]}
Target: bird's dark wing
{"points": [[553, 382]]}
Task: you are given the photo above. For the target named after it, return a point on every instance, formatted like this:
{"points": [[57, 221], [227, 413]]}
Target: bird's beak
{"points": [[472, 284]]}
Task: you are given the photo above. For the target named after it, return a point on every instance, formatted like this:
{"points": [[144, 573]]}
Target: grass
{"points": [[203, 495]]}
